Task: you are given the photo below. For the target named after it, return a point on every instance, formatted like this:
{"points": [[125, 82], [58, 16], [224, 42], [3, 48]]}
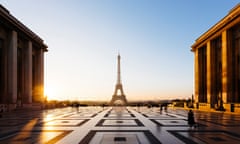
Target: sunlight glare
{"points": [[50, 93]]}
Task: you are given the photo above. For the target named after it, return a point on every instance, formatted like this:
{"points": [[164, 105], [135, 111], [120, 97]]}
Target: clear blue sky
{"points": [[154, 38]]}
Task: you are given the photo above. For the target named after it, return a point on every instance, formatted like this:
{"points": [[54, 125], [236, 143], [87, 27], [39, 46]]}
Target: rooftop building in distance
{"points": [[217, 65], [21, 64]]}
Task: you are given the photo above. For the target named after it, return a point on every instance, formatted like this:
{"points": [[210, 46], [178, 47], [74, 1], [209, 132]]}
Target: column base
{"points": [[204, 106], [37, 106], [12, 107], [31, 106], [220, 108], [27, 105]]}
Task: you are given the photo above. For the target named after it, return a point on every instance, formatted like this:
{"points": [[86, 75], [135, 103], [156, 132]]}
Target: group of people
{"points": [[191, 119]]}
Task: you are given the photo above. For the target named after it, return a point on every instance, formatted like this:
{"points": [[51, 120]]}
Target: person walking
{"points": [[191, 120]]}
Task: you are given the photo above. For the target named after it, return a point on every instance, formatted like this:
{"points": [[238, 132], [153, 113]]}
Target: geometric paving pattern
{"points": [[65, 122], [119, 137], [195, 137], [170, 122], [224, 122], [117, 125], [120, 123], [32, 137]]}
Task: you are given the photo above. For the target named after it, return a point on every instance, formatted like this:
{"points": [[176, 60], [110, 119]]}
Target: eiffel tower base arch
{"points": [[116, 98]]}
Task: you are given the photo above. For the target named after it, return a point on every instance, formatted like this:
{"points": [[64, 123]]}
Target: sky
{"points": [[153, 37]]}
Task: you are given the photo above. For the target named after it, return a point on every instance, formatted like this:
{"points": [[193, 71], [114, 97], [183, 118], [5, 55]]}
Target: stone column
{"points": [[209, 72], [27, 97], [41, 55], [39, 75], [224, 67], [196, 82], [12, 69], [5, 74]]}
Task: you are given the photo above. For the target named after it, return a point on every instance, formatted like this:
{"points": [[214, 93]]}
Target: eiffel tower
{"points": [[121, 97]]}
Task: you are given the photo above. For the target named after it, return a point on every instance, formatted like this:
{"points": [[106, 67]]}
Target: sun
{"points": [[50, 93]]}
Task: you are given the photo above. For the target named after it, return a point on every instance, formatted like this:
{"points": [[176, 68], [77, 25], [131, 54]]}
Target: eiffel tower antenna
{"points": [[119, 70], [118, 86]]}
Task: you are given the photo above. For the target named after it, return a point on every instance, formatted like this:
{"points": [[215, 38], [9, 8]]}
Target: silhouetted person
{"points": [[103, 105], [138, 107], [166, 107], [78, 106], [161, 109], [191, 121]]}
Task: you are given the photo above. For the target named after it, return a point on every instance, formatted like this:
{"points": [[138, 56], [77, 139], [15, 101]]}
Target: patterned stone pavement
{"points": [[117, 125]]}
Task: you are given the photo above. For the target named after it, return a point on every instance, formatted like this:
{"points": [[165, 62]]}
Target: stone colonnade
{"points": [[21, 64], [217, 64], [24, 72]]}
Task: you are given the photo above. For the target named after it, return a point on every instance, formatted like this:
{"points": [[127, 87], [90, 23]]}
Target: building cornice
{"points": [[233, 14], [20, 26]]}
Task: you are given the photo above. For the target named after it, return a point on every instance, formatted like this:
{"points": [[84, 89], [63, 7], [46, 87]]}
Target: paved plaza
{"points": [[117, 125]]}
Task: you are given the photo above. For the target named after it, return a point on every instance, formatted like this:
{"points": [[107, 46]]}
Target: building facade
{"points": [[217, 65], [21, 64]]}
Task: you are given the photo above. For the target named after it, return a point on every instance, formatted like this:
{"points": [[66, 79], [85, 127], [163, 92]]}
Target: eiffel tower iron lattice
{"points": [[118, 97]]}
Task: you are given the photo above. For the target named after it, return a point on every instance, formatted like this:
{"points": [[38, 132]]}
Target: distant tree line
{"points": [[66, 103]]}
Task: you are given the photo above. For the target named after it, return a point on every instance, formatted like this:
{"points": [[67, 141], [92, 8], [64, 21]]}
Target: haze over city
{"points": [[153, 38]]}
